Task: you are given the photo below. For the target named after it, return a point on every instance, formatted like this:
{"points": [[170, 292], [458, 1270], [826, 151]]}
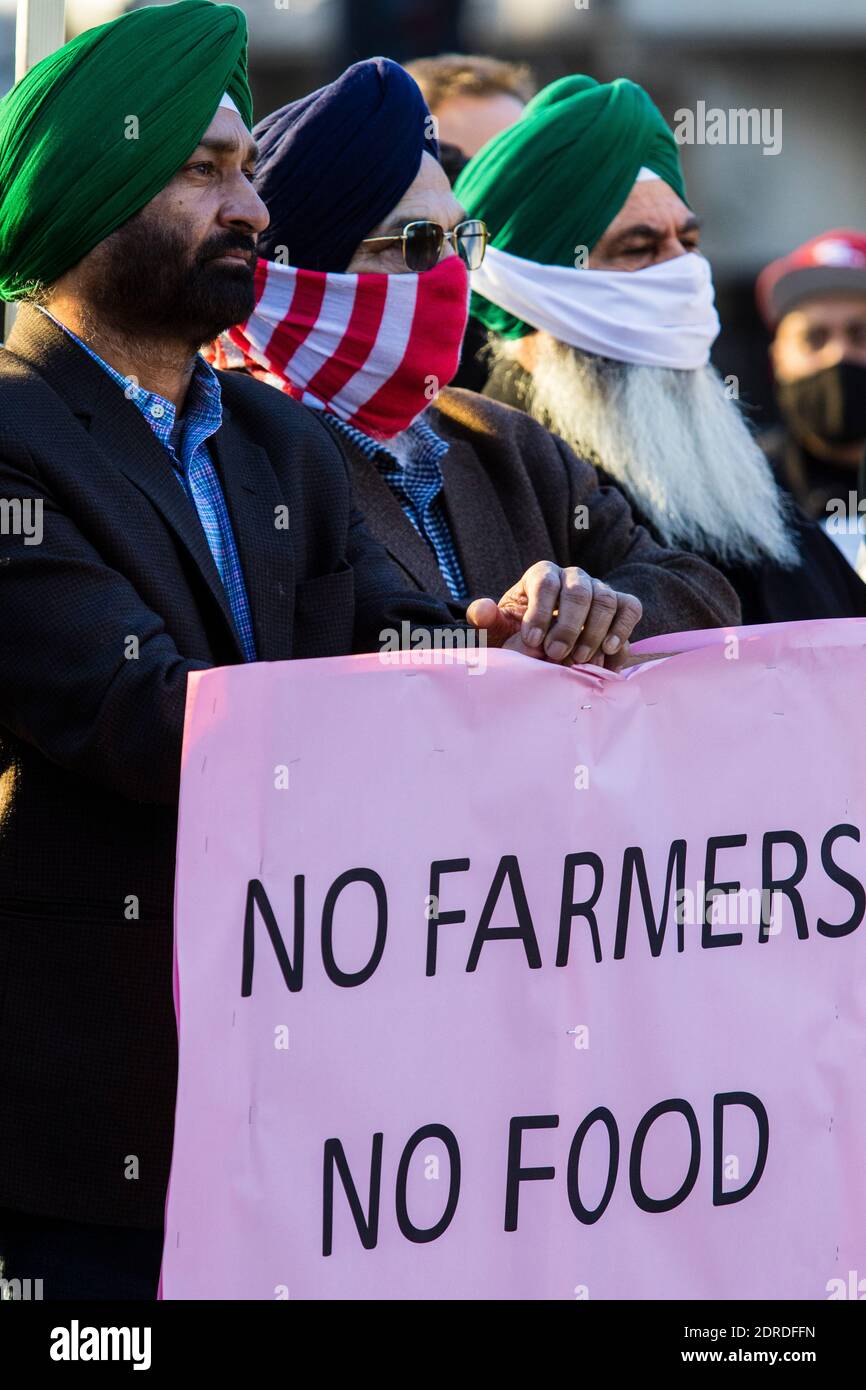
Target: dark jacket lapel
{"points": [[390, 524], [483, 538], [482, 534], [253, 495], [118, 429]]}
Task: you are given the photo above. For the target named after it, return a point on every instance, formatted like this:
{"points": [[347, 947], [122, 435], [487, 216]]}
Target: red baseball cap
{"points": [[832, 261]]}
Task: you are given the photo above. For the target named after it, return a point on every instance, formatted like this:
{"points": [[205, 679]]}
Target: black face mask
{"points": [[830, 404]]}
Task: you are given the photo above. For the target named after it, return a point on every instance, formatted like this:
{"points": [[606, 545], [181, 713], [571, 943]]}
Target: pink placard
{"points": [[440, 1035]]}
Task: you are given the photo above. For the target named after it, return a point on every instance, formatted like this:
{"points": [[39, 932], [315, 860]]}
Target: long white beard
{"points": [[675, 443]]}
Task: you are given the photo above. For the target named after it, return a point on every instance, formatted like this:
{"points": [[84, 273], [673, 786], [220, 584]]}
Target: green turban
{"points": [[556, 179], [94, 131]]}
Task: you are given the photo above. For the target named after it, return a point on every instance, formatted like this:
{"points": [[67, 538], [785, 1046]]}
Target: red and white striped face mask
{"points": [[374, 349]]}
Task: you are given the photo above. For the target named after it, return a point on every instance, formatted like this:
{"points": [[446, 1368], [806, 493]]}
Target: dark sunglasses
{"points": [[422, 243]]}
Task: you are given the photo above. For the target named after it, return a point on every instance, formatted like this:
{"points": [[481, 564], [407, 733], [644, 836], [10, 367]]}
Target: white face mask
{"points": [[663, 316]]}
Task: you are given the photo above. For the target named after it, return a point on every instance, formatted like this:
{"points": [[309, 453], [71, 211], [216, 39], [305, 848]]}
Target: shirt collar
{"points": [[204, 394], [424, 444]]}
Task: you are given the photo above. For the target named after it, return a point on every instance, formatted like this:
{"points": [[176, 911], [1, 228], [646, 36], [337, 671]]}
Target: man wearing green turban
{"points": [[552, 183], [96, 130], [601, 313], [143, 535]]}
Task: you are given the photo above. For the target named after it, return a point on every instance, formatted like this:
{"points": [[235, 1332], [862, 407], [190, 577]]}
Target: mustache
{"points": [[229, 241]]}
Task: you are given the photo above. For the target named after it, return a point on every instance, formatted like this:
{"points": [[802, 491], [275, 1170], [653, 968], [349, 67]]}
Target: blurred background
{"points": [[803, 57]]}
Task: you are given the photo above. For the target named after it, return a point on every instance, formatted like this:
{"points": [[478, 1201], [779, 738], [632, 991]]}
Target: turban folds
{"points": [[94, 131], [556, 179], [334, 163]]}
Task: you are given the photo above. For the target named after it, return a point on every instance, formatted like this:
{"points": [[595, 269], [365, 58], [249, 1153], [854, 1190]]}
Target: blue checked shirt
{"points": [[185, 441], [417, 484]]}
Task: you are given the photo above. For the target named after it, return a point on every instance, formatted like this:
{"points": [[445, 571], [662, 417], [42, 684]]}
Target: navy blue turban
{"points": [[333, 164]]}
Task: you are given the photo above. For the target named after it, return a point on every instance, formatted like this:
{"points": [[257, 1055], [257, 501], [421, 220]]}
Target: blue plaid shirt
{"points": [[417, 484], [185, 441]]}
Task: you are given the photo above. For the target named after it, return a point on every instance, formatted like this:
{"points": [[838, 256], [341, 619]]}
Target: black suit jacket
{"points": [[100, 624]]}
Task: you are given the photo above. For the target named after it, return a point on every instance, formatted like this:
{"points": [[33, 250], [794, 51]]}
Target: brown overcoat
{"points": [[514, 494]]}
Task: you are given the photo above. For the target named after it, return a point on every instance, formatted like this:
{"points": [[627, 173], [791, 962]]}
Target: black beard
{"points": [[145, 284]]}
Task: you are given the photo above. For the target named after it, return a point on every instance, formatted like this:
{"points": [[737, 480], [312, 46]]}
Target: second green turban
{"points": [[555, 180]]}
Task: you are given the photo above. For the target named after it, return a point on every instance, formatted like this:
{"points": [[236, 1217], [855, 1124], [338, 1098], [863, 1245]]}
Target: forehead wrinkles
{"points": [[649, 225], [229, 144], [440, 208], [652, 203]]}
